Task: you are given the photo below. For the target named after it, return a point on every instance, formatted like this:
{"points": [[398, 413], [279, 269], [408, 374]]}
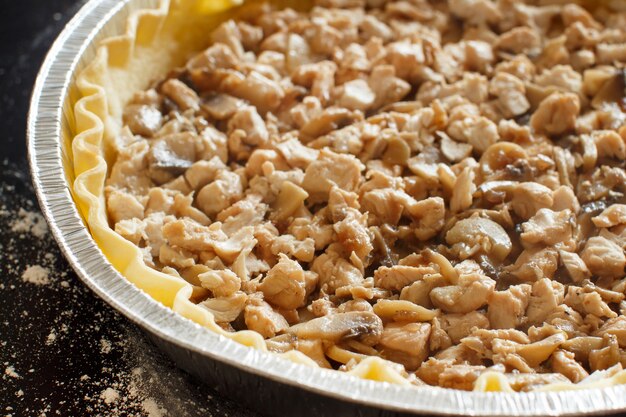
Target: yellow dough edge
{"points": [[155, 41]]}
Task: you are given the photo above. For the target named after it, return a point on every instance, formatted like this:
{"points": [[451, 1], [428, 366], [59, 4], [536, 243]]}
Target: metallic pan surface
{"points": [[267, 383]]}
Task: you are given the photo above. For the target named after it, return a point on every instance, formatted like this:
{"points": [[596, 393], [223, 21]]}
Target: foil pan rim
{"points": [[44, 132]]}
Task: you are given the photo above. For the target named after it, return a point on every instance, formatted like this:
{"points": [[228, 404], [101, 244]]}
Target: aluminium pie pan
{"points": [[263, 381]]}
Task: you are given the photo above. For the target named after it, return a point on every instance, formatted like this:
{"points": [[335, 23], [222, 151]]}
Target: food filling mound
{"points": [[436, 183]]}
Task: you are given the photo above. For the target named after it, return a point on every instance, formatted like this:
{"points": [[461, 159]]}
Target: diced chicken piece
{"points": [[475, 12], [247, 212], [574, 266], [371, 27], [290, 199], [406, 58], [565, 199], [387, 87], [478, 131], [248, 120], [331, 169], [353, 234], [610, 53], [223, 283], [459, 326], [614, 215], [482, 341], [296, 154], [419, 291], [564, 363], [356, 95], [534, 264], [529, 198], [220, 194], [184, 97], [604, 258], [260, 317], [506, 309], [616, 327], [397, 277], [303, 250], [519, 40], [226, 309], [562, 77], [285, 284], [511, 94], [556, 114], [477, 235], [471, 293], [478, 56], [546, 296], [548, 227], [406, 343], [297, 53], [573, 13], [430, 217], [587, 302], [131, 230], [318, 77], [228, 34], [335, 272], [329, 120], [263, 93], [176, 258], [461, 376], [610, 144], [363, 326], [123, 206]]}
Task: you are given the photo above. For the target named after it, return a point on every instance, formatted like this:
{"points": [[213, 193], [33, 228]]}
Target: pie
{"points": [[433, 188]]}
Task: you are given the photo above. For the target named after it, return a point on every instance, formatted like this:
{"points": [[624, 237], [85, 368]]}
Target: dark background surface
{"points": [[63, 351]]}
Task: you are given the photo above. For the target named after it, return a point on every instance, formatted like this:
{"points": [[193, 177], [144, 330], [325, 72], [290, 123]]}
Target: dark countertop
{"points": [[63, 351]]}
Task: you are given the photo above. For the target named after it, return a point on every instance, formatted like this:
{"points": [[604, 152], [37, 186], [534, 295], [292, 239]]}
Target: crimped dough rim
{"points": [[155, 42]]}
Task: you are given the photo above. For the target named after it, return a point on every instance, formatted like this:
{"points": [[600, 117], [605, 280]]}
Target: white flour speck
{"points": [[10, 371], [110, 395], [36, 274], [30, 222]]}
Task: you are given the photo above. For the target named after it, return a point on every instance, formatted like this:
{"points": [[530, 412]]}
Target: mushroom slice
{"points": [[534, 353], [402, 310], [365, 326], [613, 90], [471, 293], [222, 106], [165, 164], [226, 309], [476, 235]]}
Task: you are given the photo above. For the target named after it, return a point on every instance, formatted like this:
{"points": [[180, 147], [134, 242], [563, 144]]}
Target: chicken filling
{"points": [[437, 183]]}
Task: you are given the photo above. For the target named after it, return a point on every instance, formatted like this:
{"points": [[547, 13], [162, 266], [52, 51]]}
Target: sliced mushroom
{"points": [[478, 235], [401, 310], [613, 90], [363, 326]]}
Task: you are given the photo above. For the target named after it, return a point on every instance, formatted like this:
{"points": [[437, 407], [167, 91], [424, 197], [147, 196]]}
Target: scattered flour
{"points": [[52, 337], [37, 275], [152, 408], [105, 346], [30, 222], [110, 395], [10, 371]]}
